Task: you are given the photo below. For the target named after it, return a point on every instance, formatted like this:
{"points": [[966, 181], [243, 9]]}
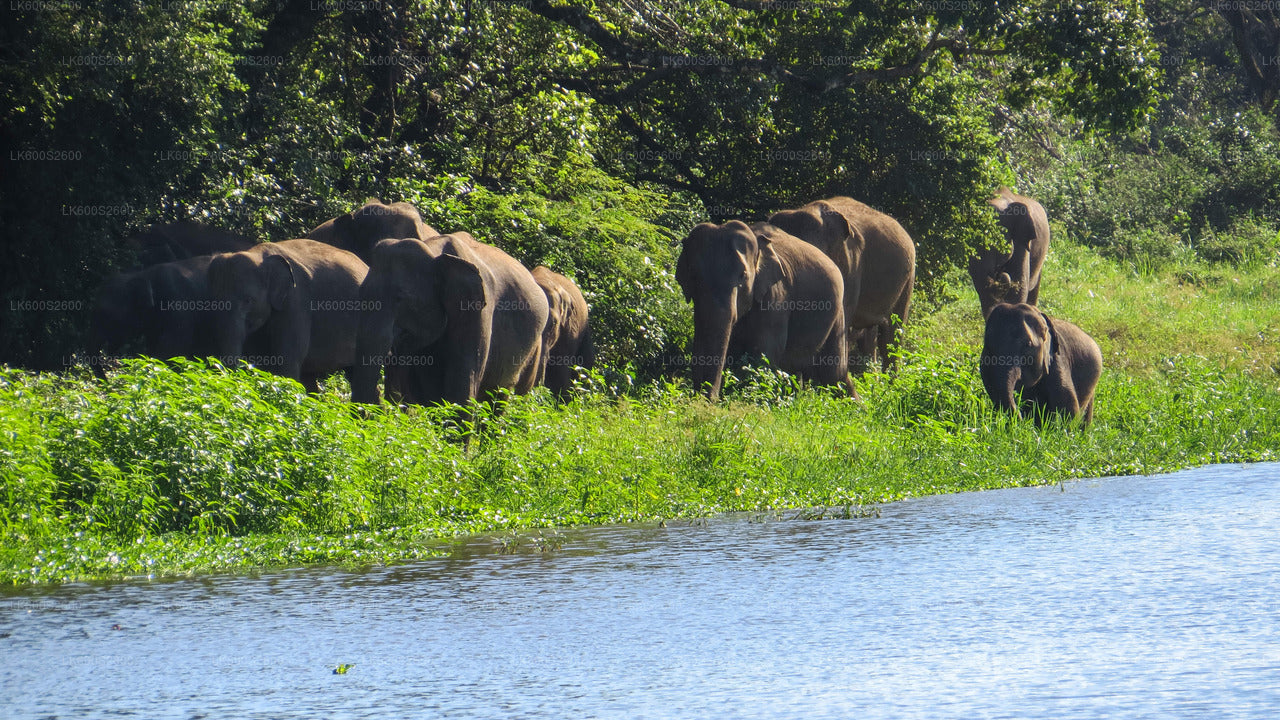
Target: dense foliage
{"points": [[584, 134]]}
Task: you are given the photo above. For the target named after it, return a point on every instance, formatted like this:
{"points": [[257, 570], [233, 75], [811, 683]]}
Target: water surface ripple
{"points": [[1123, 597]]}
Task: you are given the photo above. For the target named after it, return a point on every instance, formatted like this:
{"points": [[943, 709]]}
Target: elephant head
{"points": [[1010, 278], [150, 311], [122, 312], [1016, 352], [723, 270], [820, 224], [247, 289], [423, 293], [359, 230]]}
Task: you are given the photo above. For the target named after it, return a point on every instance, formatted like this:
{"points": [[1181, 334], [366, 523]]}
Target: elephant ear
{"points": [[140, 292], [844, 244], [684, 273], [460, 284], [1045, 358], [280, 280], [166, 284], [769, 269]]}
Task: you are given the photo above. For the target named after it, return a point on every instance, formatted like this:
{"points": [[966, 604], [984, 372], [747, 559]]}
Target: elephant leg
{"points": [[767, 337], [861, 343], [1061, 393], [883, 334], [311, 382], [831, 365], [288, 342], [896, 329], [529, 374], [350, 373], [871, 346]]}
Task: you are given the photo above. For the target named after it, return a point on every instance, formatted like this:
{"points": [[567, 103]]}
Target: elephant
{"points": [[182, 240], [1055, 364], [876, 259], [359, 230], [162, 311], [1012, 274], [759, 290], [468, 317], [295, 301], [566, 340]]}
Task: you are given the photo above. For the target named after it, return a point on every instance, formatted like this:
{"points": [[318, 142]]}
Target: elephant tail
{"points": [[587, 349]]}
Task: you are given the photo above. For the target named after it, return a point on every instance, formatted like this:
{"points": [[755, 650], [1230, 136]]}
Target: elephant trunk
{"points": [[229, 334], [712, 326], [373, 347], [1019, 269], [1000, 376]]}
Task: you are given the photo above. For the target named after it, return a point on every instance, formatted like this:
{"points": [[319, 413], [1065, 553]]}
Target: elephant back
{"points": [[182, 240]]}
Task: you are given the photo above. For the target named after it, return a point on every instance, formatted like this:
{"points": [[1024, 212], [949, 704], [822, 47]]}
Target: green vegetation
{"points": [[589, 136], [161, 472], [583, 135]]}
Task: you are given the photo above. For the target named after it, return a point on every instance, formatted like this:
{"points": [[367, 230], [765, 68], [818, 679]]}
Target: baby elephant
{"points": [[1055, 364]]}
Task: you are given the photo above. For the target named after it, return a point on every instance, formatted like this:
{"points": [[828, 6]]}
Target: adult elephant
{"points": [[566, 340], [758, 290], [359, 230], [876, 259], [1011, 274], [162, 311], [297, 302], [1054, 364], [181, 240], [468, 317]]}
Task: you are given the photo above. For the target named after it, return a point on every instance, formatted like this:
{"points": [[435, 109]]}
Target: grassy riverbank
{"points": [[158, 472]]}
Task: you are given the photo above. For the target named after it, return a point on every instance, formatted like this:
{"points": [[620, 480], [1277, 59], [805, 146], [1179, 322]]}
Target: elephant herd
{"points": [[447, 317], [380, 295], [822, 289]]}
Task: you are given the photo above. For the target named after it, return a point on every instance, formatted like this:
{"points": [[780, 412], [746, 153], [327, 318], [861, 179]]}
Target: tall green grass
{"points": [[158, 471], [161, 471]]}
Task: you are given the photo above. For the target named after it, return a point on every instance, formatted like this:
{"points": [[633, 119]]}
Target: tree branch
{"points": [[660, 66]]}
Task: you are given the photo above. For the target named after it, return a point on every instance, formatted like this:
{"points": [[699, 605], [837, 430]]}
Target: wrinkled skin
{"points": [[294, 302], [759, 291], [466, 320], [182, 240], [162, 311], [876, 259], [359, 230], [566, 340], [1011, 274], [1054, 364]]}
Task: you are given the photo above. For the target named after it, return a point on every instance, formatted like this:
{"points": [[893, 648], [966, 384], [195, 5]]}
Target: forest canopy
{"points": [[591, 135]]}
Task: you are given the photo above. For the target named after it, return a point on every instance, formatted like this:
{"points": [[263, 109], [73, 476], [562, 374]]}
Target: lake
{"points": [[1121, 597]]}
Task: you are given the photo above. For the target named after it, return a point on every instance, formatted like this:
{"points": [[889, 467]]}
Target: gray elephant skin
{"points": [[566, 340], [876, 259], [359, 230], [1011, 273], [297, 302], [182, 240], [162, 311], [757, 290], [1054, 364], [467, 317]]}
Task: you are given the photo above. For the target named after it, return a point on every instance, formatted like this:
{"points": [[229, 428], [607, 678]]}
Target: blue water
{"points": [[1125, 597]]}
